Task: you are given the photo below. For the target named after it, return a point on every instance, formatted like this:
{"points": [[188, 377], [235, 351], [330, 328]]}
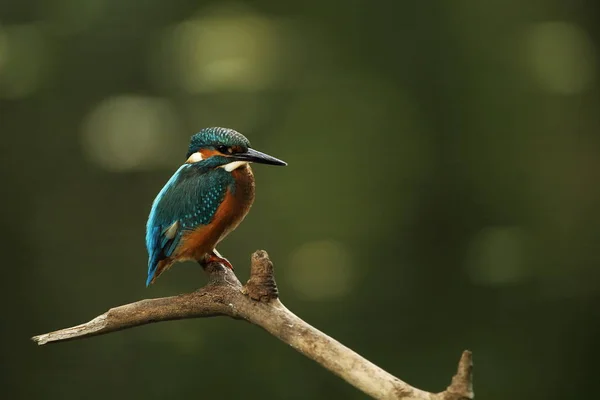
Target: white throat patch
{"points": [[233, 165]]}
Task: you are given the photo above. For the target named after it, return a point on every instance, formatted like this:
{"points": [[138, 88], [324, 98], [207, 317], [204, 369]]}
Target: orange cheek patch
{"points": [[206, 153]]}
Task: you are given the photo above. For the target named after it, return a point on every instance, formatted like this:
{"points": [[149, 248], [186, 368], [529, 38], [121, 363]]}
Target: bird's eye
{"points": [[225, 149]]}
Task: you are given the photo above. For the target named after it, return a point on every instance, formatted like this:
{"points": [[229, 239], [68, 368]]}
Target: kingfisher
{"points": [[205, 199]]}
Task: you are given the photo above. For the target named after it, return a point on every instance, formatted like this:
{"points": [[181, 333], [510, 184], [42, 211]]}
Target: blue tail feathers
{"points": [[152, 264]]}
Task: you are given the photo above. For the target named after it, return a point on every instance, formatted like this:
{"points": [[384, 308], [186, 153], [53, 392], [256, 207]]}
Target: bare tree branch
{"points": [[257, 302]]}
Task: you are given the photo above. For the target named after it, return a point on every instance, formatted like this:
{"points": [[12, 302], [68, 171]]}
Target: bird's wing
{"points": [[189, 199]]}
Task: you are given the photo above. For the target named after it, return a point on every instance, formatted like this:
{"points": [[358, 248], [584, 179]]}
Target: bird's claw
{"points": [[213, 258]]}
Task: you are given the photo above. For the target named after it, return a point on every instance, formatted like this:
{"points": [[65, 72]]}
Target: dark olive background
{"points": [[442, 190]]}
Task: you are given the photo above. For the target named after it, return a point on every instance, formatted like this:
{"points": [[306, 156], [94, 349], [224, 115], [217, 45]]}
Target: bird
{"points": [[205, 200]]}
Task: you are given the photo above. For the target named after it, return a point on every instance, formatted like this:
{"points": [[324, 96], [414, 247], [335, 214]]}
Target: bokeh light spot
{"points": [[321, 270], [130, 132], [228, 48], [561, 56], [497, 256]]}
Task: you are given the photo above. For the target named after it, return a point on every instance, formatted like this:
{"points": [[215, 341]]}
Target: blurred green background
{"points": [[442, 190]]}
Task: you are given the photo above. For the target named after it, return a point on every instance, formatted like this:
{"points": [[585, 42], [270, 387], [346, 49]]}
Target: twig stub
{"points": [[461, 387], [261, 286]]}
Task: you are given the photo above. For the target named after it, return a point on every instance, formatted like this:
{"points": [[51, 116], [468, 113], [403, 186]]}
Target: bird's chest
{"points": [[240, 196], [232, 210]]}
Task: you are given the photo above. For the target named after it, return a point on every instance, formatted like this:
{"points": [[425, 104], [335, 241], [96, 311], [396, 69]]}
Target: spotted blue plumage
{"points": [[191, 197]]}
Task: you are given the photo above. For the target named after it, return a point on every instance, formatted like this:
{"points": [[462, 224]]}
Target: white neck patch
{"points": [[195, 158], [233, 165]]}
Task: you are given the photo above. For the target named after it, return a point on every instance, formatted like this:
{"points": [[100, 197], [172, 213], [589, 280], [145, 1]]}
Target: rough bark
{"points": [[257, 302]]}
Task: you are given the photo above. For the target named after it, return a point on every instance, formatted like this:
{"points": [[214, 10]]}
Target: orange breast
{"points": [[236, 204]]}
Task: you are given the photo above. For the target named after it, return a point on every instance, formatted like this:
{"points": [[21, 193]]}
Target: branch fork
{"points": [[258, 303]]}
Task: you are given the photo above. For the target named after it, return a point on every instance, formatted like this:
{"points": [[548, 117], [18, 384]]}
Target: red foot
{"points": [[216, 257]]}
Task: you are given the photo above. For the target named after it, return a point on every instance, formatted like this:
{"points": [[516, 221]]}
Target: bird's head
{"points": [[226, 148]]}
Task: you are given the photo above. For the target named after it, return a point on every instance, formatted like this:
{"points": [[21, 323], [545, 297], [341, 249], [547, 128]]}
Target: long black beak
{"points": [[256, 156]]}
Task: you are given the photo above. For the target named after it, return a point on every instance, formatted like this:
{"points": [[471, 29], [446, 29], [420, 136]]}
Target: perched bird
{"points": [[206, 199]]}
